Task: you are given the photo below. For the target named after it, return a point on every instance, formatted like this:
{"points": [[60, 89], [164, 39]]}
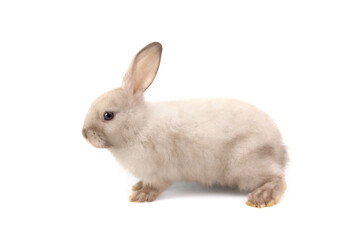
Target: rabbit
{"points": [[213, 142]]}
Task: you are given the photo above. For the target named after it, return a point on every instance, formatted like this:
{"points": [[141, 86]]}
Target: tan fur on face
{"points": [[216, 141], [96, 138]]}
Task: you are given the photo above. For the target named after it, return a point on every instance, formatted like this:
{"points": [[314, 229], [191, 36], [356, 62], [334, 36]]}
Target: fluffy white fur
{"points": [[217, 141]]}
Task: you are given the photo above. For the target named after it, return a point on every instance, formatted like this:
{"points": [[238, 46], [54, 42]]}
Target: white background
{"points": [[297, 60]]}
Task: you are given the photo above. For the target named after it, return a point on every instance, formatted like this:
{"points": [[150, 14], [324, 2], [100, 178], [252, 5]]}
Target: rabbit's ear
{"points": [[143, 68]]}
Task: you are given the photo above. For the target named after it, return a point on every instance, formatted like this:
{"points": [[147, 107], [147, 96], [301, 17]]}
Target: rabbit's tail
{"points": [[284, 156]]}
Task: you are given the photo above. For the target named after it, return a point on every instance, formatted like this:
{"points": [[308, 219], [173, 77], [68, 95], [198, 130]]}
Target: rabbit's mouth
{"points": [[95, 138]]}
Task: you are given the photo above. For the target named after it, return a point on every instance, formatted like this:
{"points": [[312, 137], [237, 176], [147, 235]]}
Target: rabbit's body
{"points": [[217, 141], [213, 142]]}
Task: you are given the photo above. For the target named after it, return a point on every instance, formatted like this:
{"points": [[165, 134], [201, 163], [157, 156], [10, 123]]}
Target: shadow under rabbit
{"points": [[188, 189]]}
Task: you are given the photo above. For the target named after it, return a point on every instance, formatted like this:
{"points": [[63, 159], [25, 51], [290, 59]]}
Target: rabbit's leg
{"points": [[137, 186], [268, 194], [144, 192]]}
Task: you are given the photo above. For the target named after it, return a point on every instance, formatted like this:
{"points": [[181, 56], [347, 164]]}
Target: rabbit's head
{"points": [[117, 116]]}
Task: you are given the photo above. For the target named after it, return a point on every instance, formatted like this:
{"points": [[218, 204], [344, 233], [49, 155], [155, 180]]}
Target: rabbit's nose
{"points": [[84, 133]]}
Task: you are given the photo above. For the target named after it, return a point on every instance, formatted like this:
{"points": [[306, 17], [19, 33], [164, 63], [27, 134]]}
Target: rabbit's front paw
{"points": [[144, 194], [137, 186]]}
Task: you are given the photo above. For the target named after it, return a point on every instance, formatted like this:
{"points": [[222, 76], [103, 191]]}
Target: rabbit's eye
{"points": [[108, 116]]}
